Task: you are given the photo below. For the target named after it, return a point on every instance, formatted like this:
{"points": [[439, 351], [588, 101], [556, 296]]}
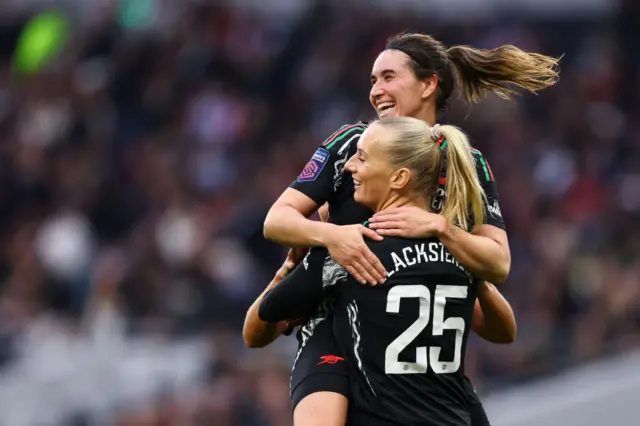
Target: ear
{"points": [[400, 179], [429, 86]]}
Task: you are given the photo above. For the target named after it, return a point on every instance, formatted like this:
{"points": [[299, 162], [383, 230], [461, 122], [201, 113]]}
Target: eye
{"points": [[388, 78]]}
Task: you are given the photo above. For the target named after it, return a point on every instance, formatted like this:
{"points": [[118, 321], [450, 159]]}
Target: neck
{"points": [[428, 115], [397, 200]]}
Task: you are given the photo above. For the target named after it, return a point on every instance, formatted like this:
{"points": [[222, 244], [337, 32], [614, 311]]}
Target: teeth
{"points": [[384, 107]]}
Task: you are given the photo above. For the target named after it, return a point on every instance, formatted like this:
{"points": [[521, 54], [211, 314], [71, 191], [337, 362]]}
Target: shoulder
{"points": [[390, 245], [347, 134], [482, 166]]}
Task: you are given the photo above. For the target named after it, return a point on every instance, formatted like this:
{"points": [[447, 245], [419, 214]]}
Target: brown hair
{"points": [[477, 71], [414, 145]]}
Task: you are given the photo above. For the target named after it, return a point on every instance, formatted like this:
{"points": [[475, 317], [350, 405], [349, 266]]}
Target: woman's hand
{"points": [[347, 246], [408, 222]]}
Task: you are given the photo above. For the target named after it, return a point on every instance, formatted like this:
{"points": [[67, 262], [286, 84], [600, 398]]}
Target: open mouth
{"points": [[356, 183], [385, 108]]}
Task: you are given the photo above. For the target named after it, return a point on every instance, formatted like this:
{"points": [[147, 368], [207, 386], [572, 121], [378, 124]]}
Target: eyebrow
{"points": [[382, 73], [361, 152]]}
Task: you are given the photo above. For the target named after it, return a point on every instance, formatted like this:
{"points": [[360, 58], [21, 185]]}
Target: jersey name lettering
{"points": [[423, 253]]}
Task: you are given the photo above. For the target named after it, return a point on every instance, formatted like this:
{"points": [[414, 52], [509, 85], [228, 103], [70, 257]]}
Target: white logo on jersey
{"points": [[332, 273], [495, 209], [338, 166]]}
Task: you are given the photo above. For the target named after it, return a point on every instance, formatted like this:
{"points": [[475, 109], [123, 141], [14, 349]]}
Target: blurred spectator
{"points": [[137, 167]]}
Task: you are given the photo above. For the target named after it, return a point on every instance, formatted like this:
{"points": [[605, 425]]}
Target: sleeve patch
{"points": [[313, 168]]}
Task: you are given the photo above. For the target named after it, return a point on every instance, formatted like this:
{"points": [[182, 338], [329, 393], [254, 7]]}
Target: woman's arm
{"points": [[493, 318], [484, 250], [299, 294], [287, 223], [257, 333]]}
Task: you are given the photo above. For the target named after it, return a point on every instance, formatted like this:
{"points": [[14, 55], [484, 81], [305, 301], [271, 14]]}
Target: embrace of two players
{"points": [[400, 273]]}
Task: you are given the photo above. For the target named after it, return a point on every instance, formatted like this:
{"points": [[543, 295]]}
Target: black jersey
{"points": [[324, 179], [297, 296], [405, 340]]}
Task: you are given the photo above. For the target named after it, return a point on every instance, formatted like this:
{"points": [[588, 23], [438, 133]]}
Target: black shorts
{"points": [[319, 365], [475, 407]]}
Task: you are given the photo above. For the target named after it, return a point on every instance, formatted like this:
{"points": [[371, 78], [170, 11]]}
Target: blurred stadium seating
{"points": [[137, 165]]}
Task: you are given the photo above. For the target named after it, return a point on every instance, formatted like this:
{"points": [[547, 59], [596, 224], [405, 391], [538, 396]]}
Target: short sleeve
{"points": [[492, 211], [317, 180]]}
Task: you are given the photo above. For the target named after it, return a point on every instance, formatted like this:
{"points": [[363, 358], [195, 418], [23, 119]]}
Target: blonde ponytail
{"points": [[415, 146], [464, 192]]}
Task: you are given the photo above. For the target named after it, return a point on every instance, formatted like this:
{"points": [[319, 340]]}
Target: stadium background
{"points": [[137, 165]]}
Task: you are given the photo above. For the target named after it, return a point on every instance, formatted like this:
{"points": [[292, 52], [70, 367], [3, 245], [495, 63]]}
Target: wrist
{"points": [[446, 229], [325, 233]]}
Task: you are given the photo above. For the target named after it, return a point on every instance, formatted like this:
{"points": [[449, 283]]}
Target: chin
{"points": [[357, 196]]}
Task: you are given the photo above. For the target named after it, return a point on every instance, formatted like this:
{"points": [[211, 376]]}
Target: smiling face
{"points": [[395, 90], [375, 180], [370, 169]]}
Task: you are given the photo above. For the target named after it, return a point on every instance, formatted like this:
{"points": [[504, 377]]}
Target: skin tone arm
{"points": [[484, 251], [287, 224], [257, 333], [493, 318]]}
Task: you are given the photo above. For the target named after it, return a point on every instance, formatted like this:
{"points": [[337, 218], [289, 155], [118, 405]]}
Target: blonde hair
{"points": [[415, 147]]}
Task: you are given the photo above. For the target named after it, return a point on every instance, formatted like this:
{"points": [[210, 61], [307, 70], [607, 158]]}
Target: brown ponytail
{"points": [[477, 71], [481, 71]]}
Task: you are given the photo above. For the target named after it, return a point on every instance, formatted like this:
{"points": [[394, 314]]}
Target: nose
{"points": [[375, 93], [350, 165]]}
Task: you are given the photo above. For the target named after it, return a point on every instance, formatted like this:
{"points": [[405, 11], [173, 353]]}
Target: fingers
{"points": [[387, 224], [370, 233], [323, 212], [361, 267], [375, 267], [355, 274], [392, 232], [383, 217]]}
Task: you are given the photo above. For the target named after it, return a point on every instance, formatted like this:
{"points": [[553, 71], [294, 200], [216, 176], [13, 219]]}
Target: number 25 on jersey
{"points": [[443, 292]]}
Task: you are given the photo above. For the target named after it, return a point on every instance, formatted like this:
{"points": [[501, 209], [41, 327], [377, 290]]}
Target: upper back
{"points": [[408, 336]]}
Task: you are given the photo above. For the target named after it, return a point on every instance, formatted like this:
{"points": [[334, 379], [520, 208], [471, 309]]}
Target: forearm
{"points": [[481, 255], [287, 226], [299, 293], [257, 333], [498, 324]]}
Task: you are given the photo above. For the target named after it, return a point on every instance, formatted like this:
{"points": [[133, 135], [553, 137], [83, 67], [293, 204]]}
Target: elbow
{"points": [[268, 228], [251, 340], [508, 337], [501, 338], [501, 274], [253, 343], [507, 332], [501, 271]]}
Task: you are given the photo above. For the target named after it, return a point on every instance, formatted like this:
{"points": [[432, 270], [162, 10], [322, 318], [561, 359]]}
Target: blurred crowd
{"points": [[136, 170]]}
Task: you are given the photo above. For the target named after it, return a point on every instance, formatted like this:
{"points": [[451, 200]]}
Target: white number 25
{"points": [[421, 292]]}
